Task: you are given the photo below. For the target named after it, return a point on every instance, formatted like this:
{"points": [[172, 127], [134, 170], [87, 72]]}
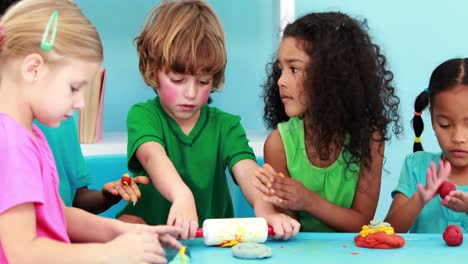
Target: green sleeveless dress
{"points": [[336, 183]]}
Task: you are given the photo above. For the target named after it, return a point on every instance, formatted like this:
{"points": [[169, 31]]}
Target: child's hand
{"points": [[131, 219], [284, 226], [167, 234], [142, 244], [433, 180], [457, 201], [127, 192], [183, 214], [281, 191]]}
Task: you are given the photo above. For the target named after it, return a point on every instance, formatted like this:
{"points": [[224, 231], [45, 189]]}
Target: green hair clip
{"points": [[53, 20]]}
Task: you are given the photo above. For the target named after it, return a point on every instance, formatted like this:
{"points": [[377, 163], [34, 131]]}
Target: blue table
{"points": [[340, 248]]}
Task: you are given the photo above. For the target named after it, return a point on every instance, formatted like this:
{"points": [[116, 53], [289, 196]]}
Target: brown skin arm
{"points": [[97, 202], [290, 194], [94, 201], [274, 154], [403, 212]]}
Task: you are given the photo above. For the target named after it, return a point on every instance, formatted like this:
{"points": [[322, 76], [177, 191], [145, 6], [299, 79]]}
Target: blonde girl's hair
{"points": [[25, 22], [185, 37]]}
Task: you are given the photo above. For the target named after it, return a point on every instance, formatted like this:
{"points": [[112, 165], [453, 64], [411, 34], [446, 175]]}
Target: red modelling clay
{"points": [[445, 188], [453, 235], [126, 179], [380, 240]]}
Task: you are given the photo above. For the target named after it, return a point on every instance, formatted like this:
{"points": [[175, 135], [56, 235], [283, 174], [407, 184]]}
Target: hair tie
{"points": [[418, 113], [417, 139]]}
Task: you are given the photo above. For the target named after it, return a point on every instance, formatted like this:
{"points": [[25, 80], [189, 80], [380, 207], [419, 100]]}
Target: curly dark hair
{"points": [[347, 80]]}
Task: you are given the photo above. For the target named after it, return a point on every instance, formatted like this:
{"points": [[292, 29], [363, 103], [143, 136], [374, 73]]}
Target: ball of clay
{"points": [[251, 251], [126, 179], [453, 235], [445, 188]]}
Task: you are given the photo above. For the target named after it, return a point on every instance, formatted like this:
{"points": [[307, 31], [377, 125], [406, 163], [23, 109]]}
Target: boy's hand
{"points": [[457, 201], [433, 180], [127, 192], [183, 214], [284, 226]]}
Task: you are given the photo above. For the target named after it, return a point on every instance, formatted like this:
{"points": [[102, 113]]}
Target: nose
{"points": [[459, 135], [190, 90], [78, 102], [282, 80]]}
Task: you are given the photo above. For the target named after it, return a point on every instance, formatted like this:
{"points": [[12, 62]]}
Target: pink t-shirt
{"points": [[28, 175]]}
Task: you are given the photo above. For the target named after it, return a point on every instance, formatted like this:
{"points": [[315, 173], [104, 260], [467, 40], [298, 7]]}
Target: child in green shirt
{"points": [[330, 100], [180, 142]]}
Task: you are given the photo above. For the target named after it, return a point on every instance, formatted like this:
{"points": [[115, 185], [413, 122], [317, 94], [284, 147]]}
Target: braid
{"points": [[421, 102]]}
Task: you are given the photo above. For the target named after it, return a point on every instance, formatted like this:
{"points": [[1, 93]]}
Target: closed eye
{"points": [[204, 82], [177, 80]]}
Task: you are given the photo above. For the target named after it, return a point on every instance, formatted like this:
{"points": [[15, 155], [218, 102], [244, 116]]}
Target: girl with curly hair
{"points": [[330, 100]]}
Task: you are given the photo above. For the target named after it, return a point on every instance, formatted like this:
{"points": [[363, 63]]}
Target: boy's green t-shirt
{"points": [[217, 141]]}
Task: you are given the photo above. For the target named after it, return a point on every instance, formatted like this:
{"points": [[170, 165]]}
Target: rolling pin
{"points": [[222, 230]]}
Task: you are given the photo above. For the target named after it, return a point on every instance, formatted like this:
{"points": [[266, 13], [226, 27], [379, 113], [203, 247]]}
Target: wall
{"points": [[252, 30], [416, 36]]}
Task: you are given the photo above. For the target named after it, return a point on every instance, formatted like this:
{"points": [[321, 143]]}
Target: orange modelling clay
{"points": [[241, 235], [231, 243], [378, 235], [126, 179]]}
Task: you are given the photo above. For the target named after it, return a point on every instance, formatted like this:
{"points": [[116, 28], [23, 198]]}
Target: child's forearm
{"points": [[404, 216], [85, 227], [244, 172], [94, 201], [162, 172], [337, 217], [44, 250]]}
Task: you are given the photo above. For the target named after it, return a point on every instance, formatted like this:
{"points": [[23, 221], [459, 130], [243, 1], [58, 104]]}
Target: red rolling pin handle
{"points": [[271, 232], [199, 232]]}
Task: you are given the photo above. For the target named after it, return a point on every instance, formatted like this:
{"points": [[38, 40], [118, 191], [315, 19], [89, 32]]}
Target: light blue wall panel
{"points": [[251, 27]]}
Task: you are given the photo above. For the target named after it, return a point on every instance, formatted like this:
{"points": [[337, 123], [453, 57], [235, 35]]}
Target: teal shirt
{"points": [[217, 141], [336, 183], [71, 165], [434, 217]]}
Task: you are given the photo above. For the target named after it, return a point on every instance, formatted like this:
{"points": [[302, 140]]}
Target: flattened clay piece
{"points": [[380, 240], [251, 251]]}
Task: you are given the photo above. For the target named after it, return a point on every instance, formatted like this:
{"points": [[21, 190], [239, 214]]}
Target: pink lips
{"points": [[187, 107], [286, 99], [458, 153]]}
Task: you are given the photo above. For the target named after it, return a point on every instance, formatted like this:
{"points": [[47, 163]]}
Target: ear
{"points": [[33, 67]]}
